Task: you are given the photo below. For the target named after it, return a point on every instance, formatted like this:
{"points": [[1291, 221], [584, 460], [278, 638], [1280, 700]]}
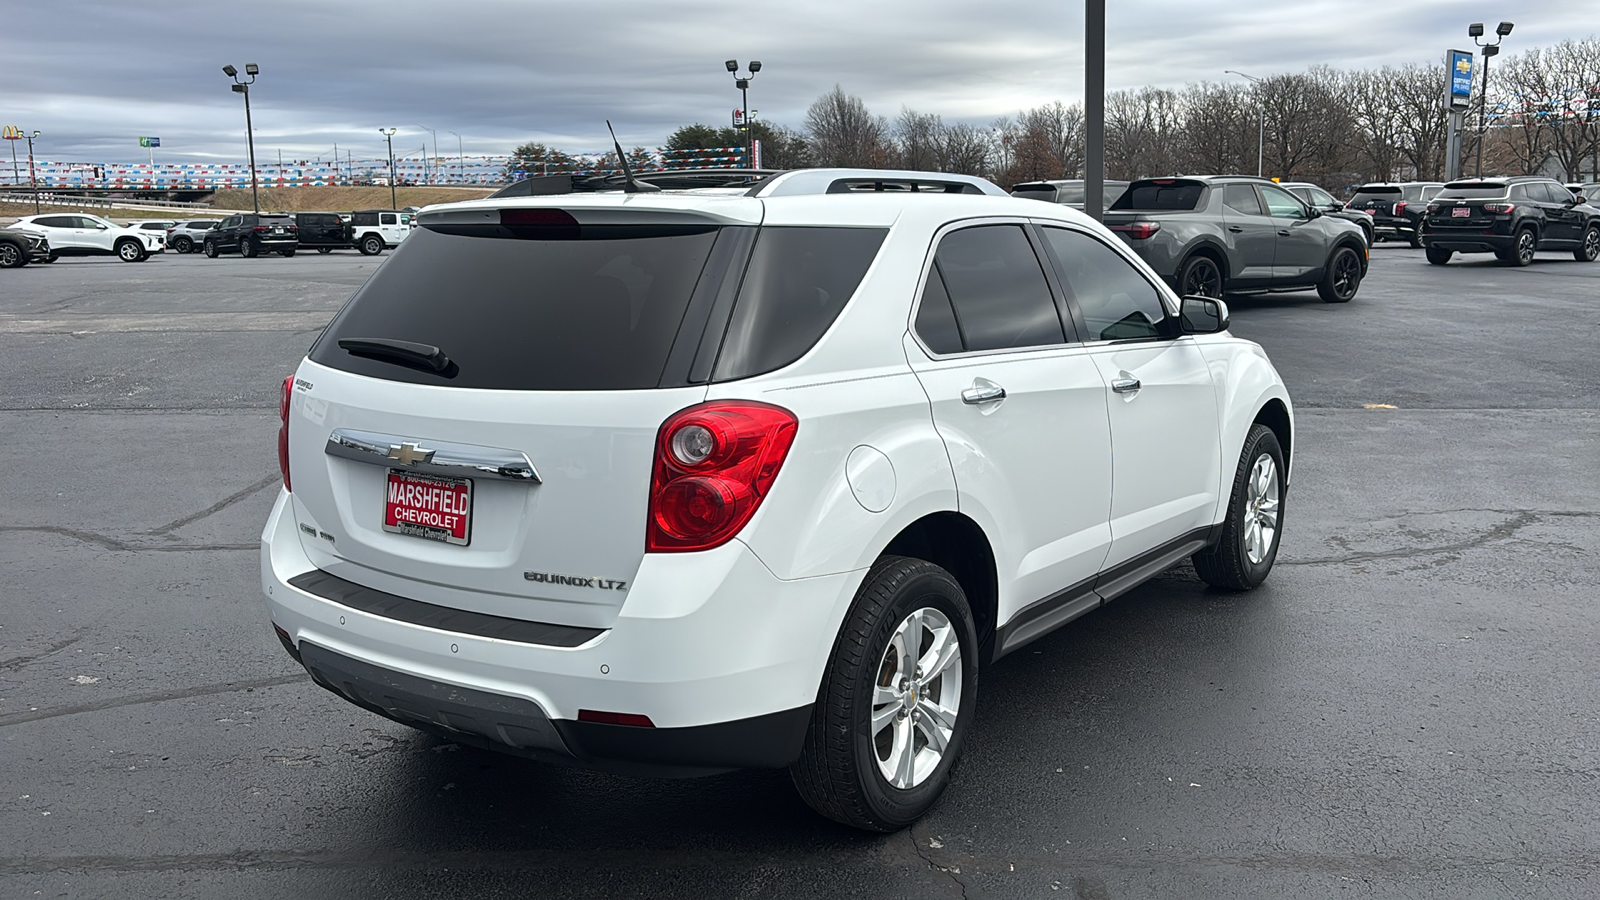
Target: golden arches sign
{"points": [[11, 133]]}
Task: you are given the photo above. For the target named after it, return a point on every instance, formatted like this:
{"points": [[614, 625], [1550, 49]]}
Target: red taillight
{"points": [[1499, 208], [714, 463], [259, 228], [1400, 208], [615, 718], [283, 431], [1138, 230]]}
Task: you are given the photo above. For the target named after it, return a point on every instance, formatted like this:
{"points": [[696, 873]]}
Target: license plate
{"points": [[1370, 211], [277, 231], [1460, 212], [428, 506]]}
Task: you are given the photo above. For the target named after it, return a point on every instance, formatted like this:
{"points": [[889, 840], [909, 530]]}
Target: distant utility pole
{"points": [[1094, 108], [461, 157], [388, 135]]}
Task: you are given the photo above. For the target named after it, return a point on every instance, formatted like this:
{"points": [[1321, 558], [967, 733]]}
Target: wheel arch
{"points": [[1275, 415], [957, 544], [1208, 248]]}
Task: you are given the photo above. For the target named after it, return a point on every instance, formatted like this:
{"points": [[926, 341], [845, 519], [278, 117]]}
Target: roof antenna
{"points": [[629, 184]]}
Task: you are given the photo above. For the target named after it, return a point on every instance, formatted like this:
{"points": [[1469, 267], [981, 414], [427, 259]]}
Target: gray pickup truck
{"points": [[1211, 234]]}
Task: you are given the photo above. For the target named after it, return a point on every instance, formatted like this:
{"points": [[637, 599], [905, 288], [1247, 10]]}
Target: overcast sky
{"points": [[93, 76]]}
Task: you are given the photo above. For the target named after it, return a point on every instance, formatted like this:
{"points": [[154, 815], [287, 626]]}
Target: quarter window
{"points": [[997, 289], [1282, 204], [1116, 301], [936, 319]]}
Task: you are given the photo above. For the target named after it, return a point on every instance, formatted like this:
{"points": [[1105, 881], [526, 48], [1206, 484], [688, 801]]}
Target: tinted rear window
{"points": [[1472, 192], [1044, 192], [1376, 193], [524, 313], [797, 282], [1158, 195]]}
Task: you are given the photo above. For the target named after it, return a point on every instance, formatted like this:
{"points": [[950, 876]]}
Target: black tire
{"points": [[1438, 256], [1200, 275], [1521, 254], [838, 771], [182, 244], [1342, 277], [1228, 564], [287, 252], [371, 245], [1415, 240], [11, 256], [211, 249], [324, 249], [130, 251], [54, 255], [248, 249], [1589, 249]]}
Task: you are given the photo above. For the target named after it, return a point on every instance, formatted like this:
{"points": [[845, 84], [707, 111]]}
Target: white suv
{"points": [[77, 234], [373, 230], [687, 482]]}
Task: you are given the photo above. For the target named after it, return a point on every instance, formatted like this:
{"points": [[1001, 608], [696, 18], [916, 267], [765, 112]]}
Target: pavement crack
{"points": [[1519, 519], [111, 543], [951, 872], [219, 506], [226, 687], [17, 662]]}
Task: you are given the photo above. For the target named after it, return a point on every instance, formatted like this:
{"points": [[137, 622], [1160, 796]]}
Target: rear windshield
{"points": [[1381, 192], [601, 307], [274, 220], [1472, 192], [1046, 192], [1167, 195]]}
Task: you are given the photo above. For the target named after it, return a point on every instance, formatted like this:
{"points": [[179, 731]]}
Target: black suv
{"points": [[252, 234], [1396, 209], [18, 247], [323, 231], [1513, 218]]}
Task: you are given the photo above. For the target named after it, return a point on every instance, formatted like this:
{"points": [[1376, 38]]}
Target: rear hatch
{"points": [[1468, 204], [1377, 200], [476, 427]]}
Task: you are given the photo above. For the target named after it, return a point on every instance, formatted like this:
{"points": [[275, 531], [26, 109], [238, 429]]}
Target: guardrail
{"points": [[99, 202]]}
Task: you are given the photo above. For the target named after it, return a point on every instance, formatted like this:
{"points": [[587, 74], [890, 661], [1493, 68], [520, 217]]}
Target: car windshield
{"points": [[1163, 194], [1472, 191]]}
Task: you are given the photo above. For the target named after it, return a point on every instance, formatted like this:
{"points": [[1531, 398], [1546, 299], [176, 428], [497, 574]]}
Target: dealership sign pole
{"points": [[13, 134], [1457, 97]]}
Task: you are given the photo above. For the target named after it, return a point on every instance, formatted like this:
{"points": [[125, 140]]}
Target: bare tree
{"points": [[916, 140], [1143, 130], [843, 133], [1378, 117], [1220, 129], [964, 150]]}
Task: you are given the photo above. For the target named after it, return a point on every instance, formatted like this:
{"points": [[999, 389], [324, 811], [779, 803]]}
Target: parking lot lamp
{"points": [[33, 181], [241, 86], [435, 169], [388, 135], [1475, 31], [1261, 129], [742, 82], [461, 158]]}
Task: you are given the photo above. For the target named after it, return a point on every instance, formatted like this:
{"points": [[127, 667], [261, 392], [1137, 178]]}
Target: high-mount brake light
{"points": [[1138, 230], [714, 464], [537, 217], [283, 431], [1499, 208]]}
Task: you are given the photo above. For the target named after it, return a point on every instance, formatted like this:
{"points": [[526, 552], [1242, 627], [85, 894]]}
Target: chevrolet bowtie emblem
{"points": [[409, 454]]}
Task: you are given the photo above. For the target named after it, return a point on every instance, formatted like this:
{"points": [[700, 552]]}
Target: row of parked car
{"points": [[1214, 233], [46, 238]]}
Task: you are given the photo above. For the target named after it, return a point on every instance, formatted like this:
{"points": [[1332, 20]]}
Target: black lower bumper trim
{"points": [[461, 621], [520, 727]]}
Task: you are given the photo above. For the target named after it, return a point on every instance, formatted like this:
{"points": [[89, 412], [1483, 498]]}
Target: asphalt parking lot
{"points": [[1408, 708]]}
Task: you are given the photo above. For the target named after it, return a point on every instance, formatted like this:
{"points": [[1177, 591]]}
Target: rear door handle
{"points": [[1125, 385], [983, 394], [1235, 229]]}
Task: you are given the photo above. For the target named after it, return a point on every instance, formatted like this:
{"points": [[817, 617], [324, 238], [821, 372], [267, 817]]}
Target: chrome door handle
{"points": [[976, 395], [1125, 385]]}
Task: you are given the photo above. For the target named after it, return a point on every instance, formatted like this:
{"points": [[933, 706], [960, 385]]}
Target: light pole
{"points": [[1475, 31], [32, 181], [388, 135], [1261, 130], [243, 87], [435, 148], [742, 82], [461, 157]]}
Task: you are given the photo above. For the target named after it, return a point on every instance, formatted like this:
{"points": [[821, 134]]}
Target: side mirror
{"points": [[99, 227], [1315, 213], [1336, 205], [1203, 315]]}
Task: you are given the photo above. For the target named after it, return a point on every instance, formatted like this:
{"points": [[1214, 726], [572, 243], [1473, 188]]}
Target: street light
{"points": [[742, 82], [1261, 130], [1475, 31], [243, 87], [32, 181], [388, 135], [435, 152], [461, 157]]}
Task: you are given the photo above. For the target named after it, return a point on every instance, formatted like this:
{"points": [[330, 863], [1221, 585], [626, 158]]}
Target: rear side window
{"points": [[364, 219], [388, 219], [797, 282], [597, 310], [997, 289], [1241, 198], [1164, 194]]}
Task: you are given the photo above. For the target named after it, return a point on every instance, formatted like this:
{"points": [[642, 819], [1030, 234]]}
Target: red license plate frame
{"points": [[431, 507]]}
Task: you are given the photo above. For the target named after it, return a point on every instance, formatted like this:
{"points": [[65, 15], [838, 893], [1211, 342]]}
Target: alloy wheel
{"points": [[1346, 275], [916, 698], [1525, 247], [1262, 498], [1591, 244], [10, 256], [1204, 279]]}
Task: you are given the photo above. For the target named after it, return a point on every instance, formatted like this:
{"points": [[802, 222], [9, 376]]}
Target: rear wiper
{"points": [[406, 353]]}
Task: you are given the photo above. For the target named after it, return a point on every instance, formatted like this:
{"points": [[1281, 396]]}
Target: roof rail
{"points": [[851, 181], [667, 179]]}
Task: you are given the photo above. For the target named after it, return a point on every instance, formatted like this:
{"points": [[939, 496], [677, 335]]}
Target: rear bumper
{"points": [[724, 659], [1467, 240]]}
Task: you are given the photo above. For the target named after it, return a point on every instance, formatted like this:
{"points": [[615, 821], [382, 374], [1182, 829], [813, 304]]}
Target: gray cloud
{"points": [[93, 76]]}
